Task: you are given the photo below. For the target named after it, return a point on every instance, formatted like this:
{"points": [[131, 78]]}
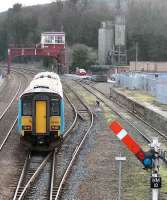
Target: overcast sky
{"points": [[5, 4]]}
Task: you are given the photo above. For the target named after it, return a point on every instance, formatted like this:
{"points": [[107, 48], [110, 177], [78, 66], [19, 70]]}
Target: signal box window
{"points": [[27, 108], [49, 39], [58, 40], [54, 107]]}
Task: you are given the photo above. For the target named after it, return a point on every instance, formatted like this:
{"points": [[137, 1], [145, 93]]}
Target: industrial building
{"points": [[112, 39], [105, 41]]}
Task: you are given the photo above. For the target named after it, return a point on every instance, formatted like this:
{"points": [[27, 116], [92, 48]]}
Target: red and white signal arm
{"points": [[126, 138]]}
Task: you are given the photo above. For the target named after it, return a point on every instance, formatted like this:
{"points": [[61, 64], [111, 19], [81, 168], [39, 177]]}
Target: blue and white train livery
{"points": [[41, 112]]}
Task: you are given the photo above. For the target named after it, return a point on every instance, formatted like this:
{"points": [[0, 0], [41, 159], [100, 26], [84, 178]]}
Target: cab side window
{"points": [[54, 107]]}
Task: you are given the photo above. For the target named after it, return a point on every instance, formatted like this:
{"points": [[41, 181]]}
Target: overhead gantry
{"points": [[52, 45]]}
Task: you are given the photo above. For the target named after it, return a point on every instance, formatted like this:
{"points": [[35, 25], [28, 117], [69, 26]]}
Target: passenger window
{"points": [[27, 108], [54, 107]]}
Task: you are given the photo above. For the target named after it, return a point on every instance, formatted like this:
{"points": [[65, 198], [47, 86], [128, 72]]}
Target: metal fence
{"points": [[154, 84]]}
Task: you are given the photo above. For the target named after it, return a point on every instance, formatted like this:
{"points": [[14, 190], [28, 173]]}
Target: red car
{"points": [[81, 72]]}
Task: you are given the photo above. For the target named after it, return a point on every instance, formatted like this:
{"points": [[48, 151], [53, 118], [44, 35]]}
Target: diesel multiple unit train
{"points": [[41, 112]]}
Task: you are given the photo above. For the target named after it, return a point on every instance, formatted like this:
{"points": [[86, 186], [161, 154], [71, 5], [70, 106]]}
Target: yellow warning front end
{"points": [[40, 118], [26, 122], [55, 123]]}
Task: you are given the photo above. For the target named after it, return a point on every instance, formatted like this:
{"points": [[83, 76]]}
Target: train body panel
{"points": [[41, 111], [62, 118]]}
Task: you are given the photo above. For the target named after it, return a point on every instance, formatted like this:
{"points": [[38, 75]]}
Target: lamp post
{"points": [[120, 159], [136, 60]]}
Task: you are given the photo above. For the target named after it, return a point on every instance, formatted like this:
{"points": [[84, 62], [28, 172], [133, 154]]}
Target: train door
{"points": [[41, 117]]}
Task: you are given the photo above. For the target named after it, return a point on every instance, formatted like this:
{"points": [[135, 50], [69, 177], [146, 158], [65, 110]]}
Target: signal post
{"points": [[155, 180], [149, 159]]}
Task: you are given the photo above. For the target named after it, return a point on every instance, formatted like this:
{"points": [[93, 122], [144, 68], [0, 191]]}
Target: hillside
{"points": [[80, 20]]}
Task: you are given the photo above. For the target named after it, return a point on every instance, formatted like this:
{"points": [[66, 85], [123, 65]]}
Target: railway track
{"points": [[128, 117], [56, 165], [8, 117], [123, 117], [92, 85], [55, 170], [80, 136], [32, 166]]}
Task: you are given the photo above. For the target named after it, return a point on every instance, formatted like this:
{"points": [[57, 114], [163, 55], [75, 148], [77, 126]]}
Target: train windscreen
{"points": [[55, 107], [27, 108]]}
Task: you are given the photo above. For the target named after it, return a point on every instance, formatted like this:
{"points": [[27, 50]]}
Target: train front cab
{"points": [[41, 119]]}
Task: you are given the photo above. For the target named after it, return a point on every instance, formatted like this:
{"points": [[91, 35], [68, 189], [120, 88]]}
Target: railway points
{"points": [[79, 129], [148, 139], [53, 188], [123, 114], [114, 142]]}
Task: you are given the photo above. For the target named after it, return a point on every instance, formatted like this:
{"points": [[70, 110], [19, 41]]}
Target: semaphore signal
{"points": [[125, 137], [149, 159]]}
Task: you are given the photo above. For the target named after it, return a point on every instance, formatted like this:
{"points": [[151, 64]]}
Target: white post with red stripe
{"points": [[125, 137]]}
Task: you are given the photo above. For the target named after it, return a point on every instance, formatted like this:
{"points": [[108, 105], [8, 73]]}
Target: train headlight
{"points": [[55, 127], [26, 128]]}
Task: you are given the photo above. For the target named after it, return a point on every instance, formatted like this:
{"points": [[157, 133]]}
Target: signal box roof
{"points": [[53, 33]]}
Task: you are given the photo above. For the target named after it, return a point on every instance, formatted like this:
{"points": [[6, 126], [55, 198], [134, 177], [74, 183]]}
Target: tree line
{"points": [[147, 26]]}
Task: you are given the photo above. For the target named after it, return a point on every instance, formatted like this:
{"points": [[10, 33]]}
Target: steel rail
{"points": [[8, 134], [131, 112], [34, 176], [52, 177], [21, 176], [130, 123], [75, 118], [6, 109], [30, 70], [119, 114], [76, 152], [42, 165], [53, 162], [64, 136]]}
